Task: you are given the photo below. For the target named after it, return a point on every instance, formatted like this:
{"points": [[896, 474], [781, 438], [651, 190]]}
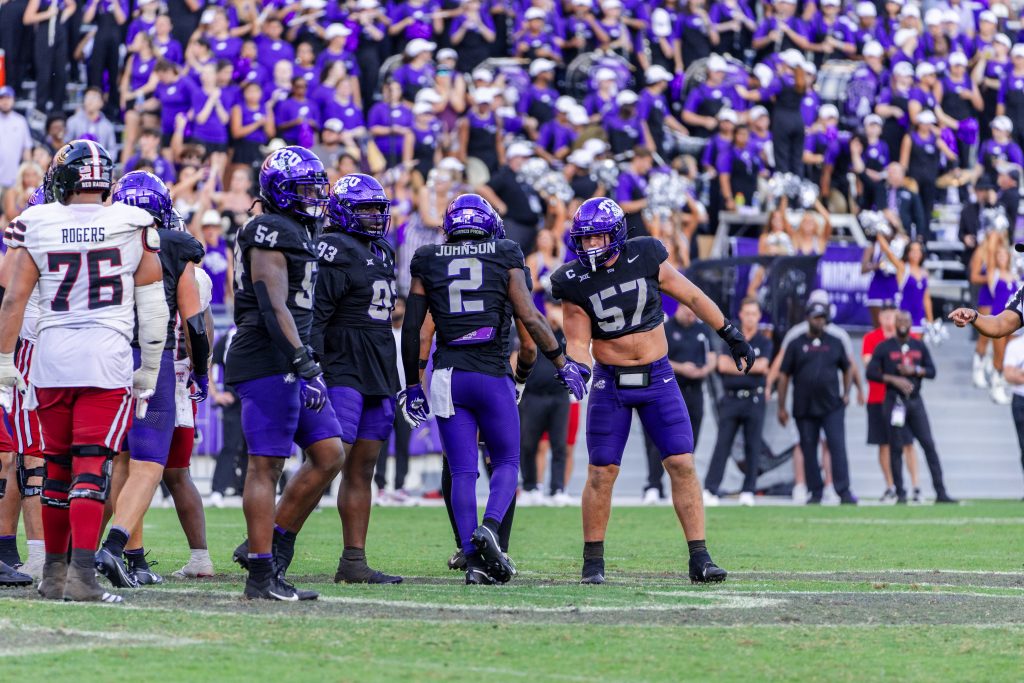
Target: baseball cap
{"points": [[484, 95], [535, 13], [334, 125], [367, 4], [988, 16], [902, 36], [933, 16], [539, 66], [418, 109], [833, 3], [1003, 123], [828, 111], [429, 95], [337, 31], [816, 309], [903, 69], [481, 74], [625, 98], [581, 158], [873, 49], [611, 4], [446, 53], [717, 63], [451, 164], [866, 9], [757, 112], [578, 116], [6, 91], [872, 120], [657, 74], [418, 46], [958, 59], [728, 115], [1018, 50], [661, 23], [818, 296], [792, 58], [211, 217], [605, 75], [1004, 39], [910, 11], [950, 16], [519, 149], [595, 146], [926, 118], [985, 183], [924, 69]]}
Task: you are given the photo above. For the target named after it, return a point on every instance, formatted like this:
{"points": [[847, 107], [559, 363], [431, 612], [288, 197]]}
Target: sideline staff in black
{"points": [[814, 361], [741, 406], [901, 362]]}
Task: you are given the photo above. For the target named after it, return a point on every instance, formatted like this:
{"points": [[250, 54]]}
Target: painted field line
{"points": [[106, 639], [838, 572]]}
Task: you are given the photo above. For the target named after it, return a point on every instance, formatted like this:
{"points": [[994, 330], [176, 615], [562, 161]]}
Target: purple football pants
{"points": [[484, 405], [149, 439]]}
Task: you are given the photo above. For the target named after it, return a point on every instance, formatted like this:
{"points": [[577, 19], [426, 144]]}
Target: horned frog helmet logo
{"points": [[611, 207], [285, 159], [346, 183]]}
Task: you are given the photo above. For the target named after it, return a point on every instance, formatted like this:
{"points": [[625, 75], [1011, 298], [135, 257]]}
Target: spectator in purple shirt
{"points": [[738, 169], [166, 46], [536, 40], [866, 30], [735, 23], [923, 96], [1010, 99], [781, 32], [1001, 149], [870, 156], [830, 34], [305, 65], [864, 86], [144, 22], [296, 117], [996, 65], [390, 124], [652, 108], [427, 131], [337, 36], [893, 105], [617, 35], [959, 105], [252, 125], [149, 155], [583, 33], [631, 190], [174, 92], [222, 43], [272, 46], [624, 127], [108, 16], [697, 33], [555, 138], [539, 100], [707, 99], [342, 106], [665, 48], [822, 148], [416, 19], [473, 35], [210, 116], [761, 135], [600, 104], [417, 69], [248, 67]]}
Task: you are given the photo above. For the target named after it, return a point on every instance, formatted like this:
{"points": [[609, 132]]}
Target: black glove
{"points": [[739, 349], [305, 363]]}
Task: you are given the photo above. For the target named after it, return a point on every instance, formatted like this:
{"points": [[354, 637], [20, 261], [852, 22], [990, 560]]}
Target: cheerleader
{"points": [[982, 261], [884, 286], [1001, 285]]}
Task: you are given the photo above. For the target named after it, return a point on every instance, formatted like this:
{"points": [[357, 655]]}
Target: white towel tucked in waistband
{"points": [[441, 393]]}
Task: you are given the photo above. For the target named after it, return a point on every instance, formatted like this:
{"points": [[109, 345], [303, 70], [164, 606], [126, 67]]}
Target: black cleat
{"points": [[141, 572], [498, 565], [704, 570], [476, 571], [593, 572], [114, 569], [55, 575], [241, 555], [301, 593], [946, 498], [12, 578], [457, 562], [355, 571], [270, 587]]}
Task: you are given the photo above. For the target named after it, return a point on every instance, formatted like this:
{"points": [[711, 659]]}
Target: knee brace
{"points": [[25, 473], [99, 458], [51, 486]]}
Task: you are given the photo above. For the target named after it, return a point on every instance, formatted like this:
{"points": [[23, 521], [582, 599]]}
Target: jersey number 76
{"points": [[72, 262]]}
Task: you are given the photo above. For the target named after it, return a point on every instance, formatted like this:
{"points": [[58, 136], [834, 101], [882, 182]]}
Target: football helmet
{"points": [[359, 205], [598, 216], [470, 216], [146, 191], [293, 182], [78, 166]]}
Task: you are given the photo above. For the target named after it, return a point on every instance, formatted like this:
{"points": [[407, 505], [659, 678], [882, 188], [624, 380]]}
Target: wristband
{"points": [[554, 353], [422, 364]]}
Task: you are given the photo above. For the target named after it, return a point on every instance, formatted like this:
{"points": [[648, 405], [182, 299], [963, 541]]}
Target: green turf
{"points": [[830, 594]]}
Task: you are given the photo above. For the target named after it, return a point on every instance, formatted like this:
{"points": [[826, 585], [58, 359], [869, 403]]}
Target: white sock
{"points": [[36, 549], [200, 555]]}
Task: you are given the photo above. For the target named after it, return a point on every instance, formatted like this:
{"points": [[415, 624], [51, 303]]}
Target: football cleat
{"points": [[476, 571], [457, 562], [81, 586], [55, 574], [12, 578], [270, 587], [704, 570], [196, 569], [889, 497], [593, 572], [351, 571], [141, 572], [497, 562], [241, 555], [301, 593], [114, 569], [946, 498]]}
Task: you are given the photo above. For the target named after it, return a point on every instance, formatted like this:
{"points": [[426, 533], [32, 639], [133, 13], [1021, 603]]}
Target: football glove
{"points": [[575, 376], [143, 386], [200, 387], [305, 364], [739, 349], [520, 388], [314, 393], [413, 403], [9, 374]]}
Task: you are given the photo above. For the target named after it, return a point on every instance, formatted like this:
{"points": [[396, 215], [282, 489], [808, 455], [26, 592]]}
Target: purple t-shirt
{"points": [[554, 136], [382, 114], [137, 26], [213, 130], [349, 113], [250, 116], [226, 48], [291, 109], [270, 52], [171, 51], [422, 26], [175, 99], [163, 169]]}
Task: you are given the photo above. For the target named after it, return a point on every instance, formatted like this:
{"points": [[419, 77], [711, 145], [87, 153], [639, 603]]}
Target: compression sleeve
{"points": [[200, 343], [415, 314], [153, 316]]}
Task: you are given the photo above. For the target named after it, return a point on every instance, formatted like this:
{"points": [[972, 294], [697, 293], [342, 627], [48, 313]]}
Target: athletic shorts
{"points": [[660, 405], [184, 439], [28, 438], [878, 430], [83, 416], [6, 442], [274, 418], [149, 439], [363, 417]]}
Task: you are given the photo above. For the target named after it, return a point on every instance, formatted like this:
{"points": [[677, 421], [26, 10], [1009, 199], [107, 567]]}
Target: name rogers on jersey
{"points": [[467, 249], [73, 235]]}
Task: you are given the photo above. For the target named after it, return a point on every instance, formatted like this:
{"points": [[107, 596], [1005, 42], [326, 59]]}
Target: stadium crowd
{"points": [[685, 113]]}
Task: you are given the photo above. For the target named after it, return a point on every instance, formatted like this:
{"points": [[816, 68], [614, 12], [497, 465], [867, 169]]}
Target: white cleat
{"points": [[999, 393], [978, 372], [747, 499], [195, 569], [561, 499], [534, 498], [216, 499], [799, 494], [710, 499], [651, 496], [830, 497]]}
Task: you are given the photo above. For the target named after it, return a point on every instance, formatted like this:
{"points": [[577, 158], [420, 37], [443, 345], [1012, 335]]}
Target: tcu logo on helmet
{"points": [[346, 183], [611, 207], [284, 159]]}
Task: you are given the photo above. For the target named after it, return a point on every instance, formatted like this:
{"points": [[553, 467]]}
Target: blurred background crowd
{"points": [[882, 137]]}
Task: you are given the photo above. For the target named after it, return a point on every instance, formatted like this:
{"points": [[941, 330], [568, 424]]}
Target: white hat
{"points": [[337, 31], [510, 95], [902, 36], [625, 98], [429, 95], [950, 16], [818, 296], [611, 4], [605, 75], [910, 11], [484, 95], [903, 69], [535, 13], [873, 49], [933, 16], [924, 69], [657, 74], [211, 217], [367, 4], [791, 2], [421, 108], [866, 9], [334, 125], [519, 149], [828, 111], [1018, 50], [833, 3], [582, 3], [898, 2], [581, 158], [988, 16], [446, 53], [578, 116], [565, 104], [482, 74], [757, 112], [926, 118], [764, 74], [1003, 39], [809, 68], [717, 63], [872, 120], [418, 46], [143, 3], [595, 146], [313, 4], [958, 59], [539, 66], [792, 58], [1002, 123], [661, 23], [728, 115], [451, 164], [1001, 11], [207, 16]]}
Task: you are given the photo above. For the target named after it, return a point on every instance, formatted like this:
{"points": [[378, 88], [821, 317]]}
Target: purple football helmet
{"points": [[293, 182], [359, 205], [470, 216], [37, 197], [146, 191], [598, 216]]}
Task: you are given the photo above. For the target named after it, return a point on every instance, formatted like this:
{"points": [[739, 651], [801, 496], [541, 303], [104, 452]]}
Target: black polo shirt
{"points": [[814, 366], [688, 344], [525, 206], [762, 349]]}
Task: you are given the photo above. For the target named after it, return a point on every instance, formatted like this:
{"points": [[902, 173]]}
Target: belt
{"points": [[745, 393]]}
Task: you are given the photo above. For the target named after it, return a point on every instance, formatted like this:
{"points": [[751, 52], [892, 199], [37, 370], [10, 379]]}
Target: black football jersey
{"points": [[467, 294], [253, 354], [354, 297], [177, 250], [621, 299]]}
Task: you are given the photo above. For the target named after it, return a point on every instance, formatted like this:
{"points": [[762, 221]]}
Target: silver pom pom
{"points": [[533, 170], [874, 223], [606, 172], [554, 184], [808, 195]]}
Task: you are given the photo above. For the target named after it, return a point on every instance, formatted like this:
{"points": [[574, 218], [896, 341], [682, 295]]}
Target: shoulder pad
{"points": [[132, 215], [270, 231], [333, 249], [205, 285], [510, 253], [151, 239], [14, 235]]}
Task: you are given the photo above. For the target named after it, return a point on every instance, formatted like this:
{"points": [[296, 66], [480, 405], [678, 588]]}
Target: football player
{"points": [[25, 468], [355, 293], [149, 439], [612, 299], [473, 285], [271, 365], [99, 276]]}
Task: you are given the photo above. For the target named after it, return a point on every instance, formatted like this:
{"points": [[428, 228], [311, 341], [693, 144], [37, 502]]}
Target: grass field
{"points": [[830, 594]]}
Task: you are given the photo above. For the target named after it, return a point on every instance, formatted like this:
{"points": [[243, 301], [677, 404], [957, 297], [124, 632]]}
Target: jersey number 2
{"points": [[456, 303], [617, 319], [72, 262]]}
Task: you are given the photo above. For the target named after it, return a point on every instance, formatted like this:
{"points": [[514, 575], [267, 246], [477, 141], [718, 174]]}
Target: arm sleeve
{"points": [[153, 315]]}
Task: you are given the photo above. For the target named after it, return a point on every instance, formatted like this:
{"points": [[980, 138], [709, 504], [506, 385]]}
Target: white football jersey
{"points": [[87, 255]]}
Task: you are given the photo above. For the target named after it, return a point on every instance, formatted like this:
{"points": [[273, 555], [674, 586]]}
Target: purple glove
{"points": [[314, 393], [413, 403], [575, 376], [202, 387]]}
